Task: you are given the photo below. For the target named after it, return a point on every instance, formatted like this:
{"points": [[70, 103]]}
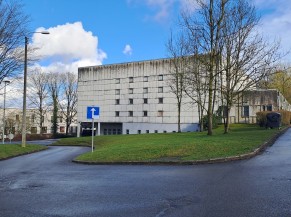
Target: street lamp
{"points": [[23, 144], [3, 134]]}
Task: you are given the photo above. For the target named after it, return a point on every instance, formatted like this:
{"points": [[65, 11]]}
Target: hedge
{"points": [[262, 117]]}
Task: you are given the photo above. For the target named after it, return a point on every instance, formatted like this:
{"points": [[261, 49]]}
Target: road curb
{"points": [[25, 153], [256, 152]]}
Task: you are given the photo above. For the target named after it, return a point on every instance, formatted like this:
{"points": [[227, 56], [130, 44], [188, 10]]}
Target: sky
{"points": [[95, 32]]}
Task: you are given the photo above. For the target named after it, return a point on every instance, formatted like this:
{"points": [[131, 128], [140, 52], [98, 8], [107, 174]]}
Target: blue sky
{"points": [[91, 32], [116, 24]]}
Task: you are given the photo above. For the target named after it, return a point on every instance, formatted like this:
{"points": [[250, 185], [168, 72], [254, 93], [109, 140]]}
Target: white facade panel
{"points": [[104, 86]]}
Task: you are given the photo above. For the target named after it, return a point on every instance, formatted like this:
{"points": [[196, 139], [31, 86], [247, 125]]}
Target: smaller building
{"points": [[13, 122], [253, 101]]}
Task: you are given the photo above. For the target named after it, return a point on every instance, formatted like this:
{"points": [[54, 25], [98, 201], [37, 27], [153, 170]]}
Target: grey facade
{"points": [[133, 98], [253, 101]]}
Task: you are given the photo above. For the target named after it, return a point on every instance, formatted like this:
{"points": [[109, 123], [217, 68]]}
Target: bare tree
{"points": [[54, 86], [13, 28], [196, 86], [178, 51], [234, 56], [68, 105], [38, 94], [205, 26], [247, 58]]}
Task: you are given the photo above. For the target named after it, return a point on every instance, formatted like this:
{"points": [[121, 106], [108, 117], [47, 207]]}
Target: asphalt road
{"points": [[48, 184]]}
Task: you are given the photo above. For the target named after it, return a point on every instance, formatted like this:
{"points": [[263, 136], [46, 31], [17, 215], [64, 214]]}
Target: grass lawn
{"points": [[242, 139], [11, 150]]}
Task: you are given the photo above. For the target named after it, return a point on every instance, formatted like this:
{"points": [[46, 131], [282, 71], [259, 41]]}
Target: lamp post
{"points": [[5, 84], [23, 144]]}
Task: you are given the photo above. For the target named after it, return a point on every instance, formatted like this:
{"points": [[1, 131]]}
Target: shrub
{"points": [[215, 120]]}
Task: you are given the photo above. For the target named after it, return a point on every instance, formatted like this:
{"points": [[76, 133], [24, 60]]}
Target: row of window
{"points": [[144, 113], [145, 79], [112, 132], [145, 101], [118, 131], [33, 130], [147, 131], [32, 118], [145, 90], [44, 130]]}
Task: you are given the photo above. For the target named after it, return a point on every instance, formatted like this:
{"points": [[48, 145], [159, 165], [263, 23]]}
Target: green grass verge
{"points": [[11, 150], [242, 139]]}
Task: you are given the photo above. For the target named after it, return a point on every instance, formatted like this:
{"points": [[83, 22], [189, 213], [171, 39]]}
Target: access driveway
{"points": [[49, 184]]}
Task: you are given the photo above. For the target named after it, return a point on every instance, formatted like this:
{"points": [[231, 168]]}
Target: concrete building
{"points": [[257, 100], [133, 98], [136, 98]]}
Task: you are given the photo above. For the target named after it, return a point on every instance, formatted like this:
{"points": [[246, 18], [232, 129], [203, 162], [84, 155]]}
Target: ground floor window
{"points": [[246, 111], [33, 130], [44, 129], [62, 129]]}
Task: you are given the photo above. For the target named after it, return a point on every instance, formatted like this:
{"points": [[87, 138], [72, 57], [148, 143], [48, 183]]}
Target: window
{"points": [[160, 77], [145, 78], [156, 131], [44, 130], [117, 101], [145, 113], [130, 113], [165, 131], [114, 132], [118, 131], [145, 90], [32, 118], [160, 90], [109, 131], [130, 90], [130, 79], [160, 113], [131, 101], [139, 131], [62, 129], [145, 101], [117, 114], [223, 110], [105, 132], [269, 107], [246, 111], [33, 130], [127, 131], [161, 100], [117, 81], [117, 92], [147, 131]]}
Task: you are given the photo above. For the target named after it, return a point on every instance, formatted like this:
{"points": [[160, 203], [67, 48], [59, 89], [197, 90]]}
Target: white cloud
{"points": [[127, 50], [276, 22], [68, 47]]}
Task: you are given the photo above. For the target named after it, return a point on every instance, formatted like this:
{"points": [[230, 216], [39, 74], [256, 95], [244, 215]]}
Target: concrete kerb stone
{"points": [[196, 162]]}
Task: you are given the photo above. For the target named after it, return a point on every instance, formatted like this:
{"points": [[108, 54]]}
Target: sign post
{"points": [[93, 113]]}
